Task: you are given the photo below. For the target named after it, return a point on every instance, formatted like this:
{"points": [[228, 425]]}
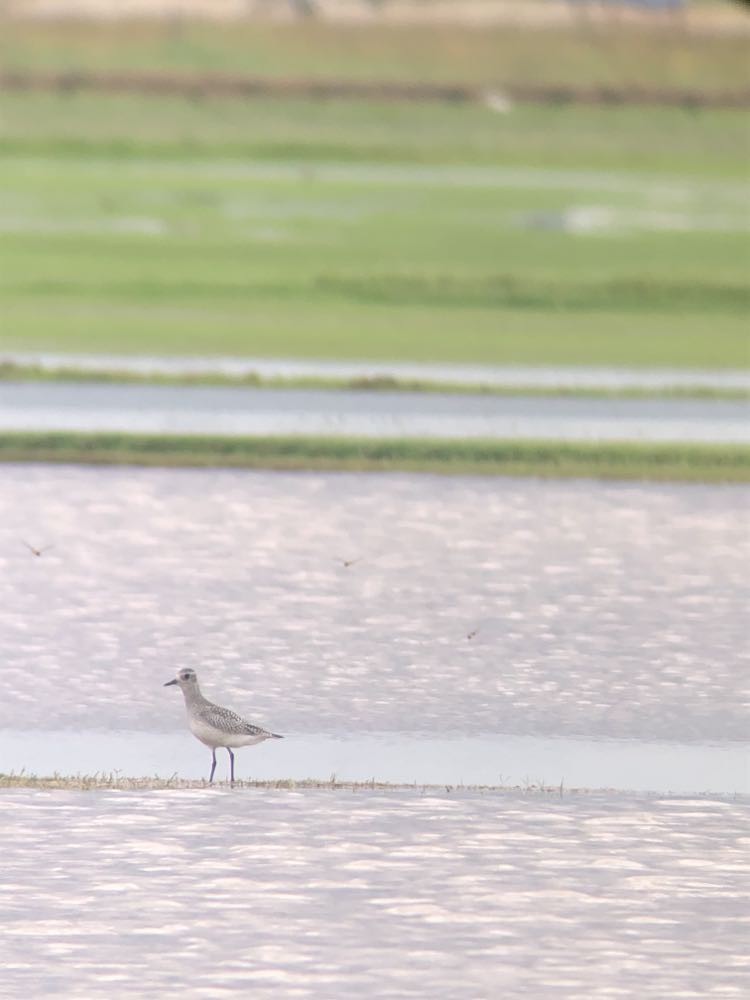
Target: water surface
{"points": [[608, 643], [476, 608], [397, 758], [233, 410], [214, 894]]}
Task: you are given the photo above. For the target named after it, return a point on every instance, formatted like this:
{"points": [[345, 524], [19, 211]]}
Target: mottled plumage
{"points": [[226, 721], [216, 726]]}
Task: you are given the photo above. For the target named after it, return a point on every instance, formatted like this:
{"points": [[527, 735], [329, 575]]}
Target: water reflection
{"points": [[214, 893], [605, 611], [232, 410], [596, 611]]}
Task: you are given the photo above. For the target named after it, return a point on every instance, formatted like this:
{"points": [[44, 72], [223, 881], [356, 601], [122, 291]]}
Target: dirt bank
{"points": [[240, 86], [715, 18]]}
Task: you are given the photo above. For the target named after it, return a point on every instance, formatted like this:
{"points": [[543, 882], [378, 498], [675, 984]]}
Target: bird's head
{"points": [[186, 678]]}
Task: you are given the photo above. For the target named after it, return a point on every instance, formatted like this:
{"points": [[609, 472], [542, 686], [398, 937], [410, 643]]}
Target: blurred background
{"points": [[513, 185]]}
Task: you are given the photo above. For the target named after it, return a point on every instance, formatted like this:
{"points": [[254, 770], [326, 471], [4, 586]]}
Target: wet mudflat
{"points": [[218, 893]]}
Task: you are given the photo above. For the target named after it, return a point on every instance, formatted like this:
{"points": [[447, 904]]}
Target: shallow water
{"points": [[232, 410], [212, 894], [397, 758], [597, 613]]}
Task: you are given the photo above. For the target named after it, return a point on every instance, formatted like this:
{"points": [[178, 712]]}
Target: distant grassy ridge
{"points": [[436, 290], [447, 290], [199, 86], [13, 372], [549, 459], [582, 54], [516, 292]]}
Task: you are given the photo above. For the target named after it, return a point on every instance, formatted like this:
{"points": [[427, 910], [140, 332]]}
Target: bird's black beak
{"points": [[174, 681]]}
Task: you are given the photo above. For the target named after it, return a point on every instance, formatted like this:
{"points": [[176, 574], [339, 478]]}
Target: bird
{"points": [[346, 563], [216, 726], [37, 552], [473, 632]]}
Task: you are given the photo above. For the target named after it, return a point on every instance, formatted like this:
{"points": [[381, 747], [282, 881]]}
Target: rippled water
{"points": [[600, 611], [213, 894], [232, 410], [606, 621]]}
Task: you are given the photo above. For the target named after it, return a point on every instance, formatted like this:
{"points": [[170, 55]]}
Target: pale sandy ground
{"points": [[710, 18]]}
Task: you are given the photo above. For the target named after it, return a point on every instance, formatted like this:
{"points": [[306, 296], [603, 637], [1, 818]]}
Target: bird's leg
{"points": [[231, 765], [213, 765]]}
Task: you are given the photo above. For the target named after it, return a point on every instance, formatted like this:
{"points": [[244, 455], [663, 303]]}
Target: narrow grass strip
{"points": [[11, 371], [550, 459], [503, 291], [242, 86], [118, 782]]}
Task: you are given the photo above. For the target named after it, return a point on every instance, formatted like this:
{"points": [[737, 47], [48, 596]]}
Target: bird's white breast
{"points": [[214, 737]]}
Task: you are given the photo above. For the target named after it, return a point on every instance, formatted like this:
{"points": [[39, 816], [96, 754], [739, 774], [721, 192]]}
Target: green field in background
{"points": [[699, 143], [420, 261], [365, 230], [601, 460]]}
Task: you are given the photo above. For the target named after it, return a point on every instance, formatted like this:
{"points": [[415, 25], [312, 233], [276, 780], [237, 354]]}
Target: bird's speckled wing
{"points": [[227, 721]]}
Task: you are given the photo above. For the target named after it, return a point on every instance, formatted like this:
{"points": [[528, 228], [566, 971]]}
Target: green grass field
{"points": [[356, 230], [435, 260], [11, 371], [677, 142], [601, 460]]}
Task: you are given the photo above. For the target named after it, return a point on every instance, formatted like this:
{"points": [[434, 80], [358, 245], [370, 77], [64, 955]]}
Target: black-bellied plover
{"points": [[216, 726]]}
